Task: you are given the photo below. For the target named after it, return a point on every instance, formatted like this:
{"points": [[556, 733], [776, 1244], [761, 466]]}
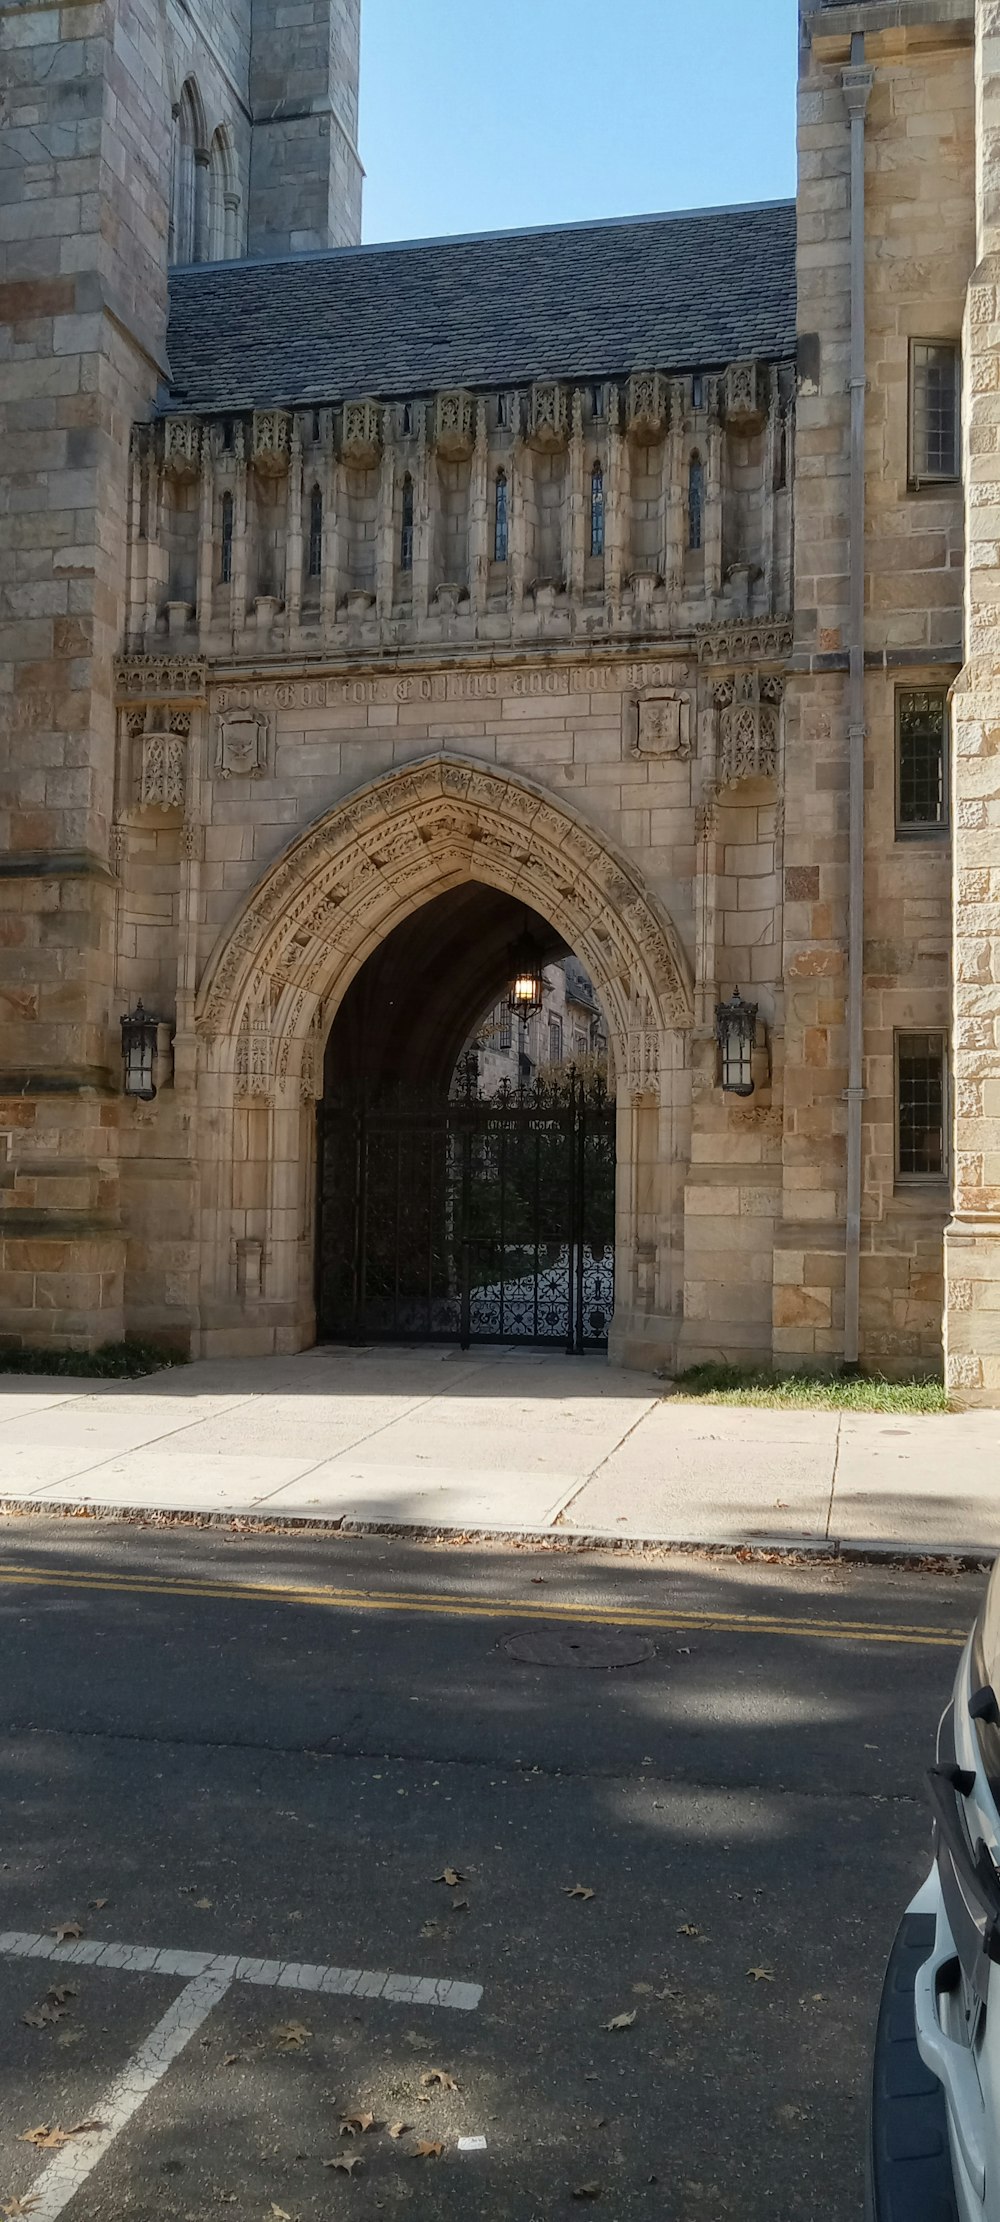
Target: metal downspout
{"points": [[857, 84]]}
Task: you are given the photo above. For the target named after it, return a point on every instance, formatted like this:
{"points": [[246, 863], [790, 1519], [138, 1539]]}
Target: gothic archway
{"points": [[278, 975]]}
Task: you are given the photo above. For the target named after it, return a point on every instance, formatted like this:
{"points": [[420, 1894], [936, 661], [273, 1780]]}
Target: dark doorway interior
{"points": [[450, 1211]]}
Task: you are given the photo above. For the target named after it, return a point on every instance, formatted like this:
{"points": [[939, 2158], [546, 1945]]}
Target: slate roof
{"points": [[683, 292]]}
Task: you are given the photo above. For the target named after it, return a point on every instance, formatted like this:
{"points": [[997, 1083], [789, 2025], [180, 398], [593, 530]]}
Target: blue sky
{"points": [[478, 114]]}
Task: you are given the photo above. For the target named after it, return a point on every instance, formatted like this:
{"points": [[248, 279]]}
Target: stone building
{"points": [[611, 577]]}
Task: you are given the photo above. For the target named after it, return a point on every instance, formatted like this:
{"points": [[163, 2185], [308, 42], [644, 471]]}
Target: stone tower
{"points": [[128, 141]]}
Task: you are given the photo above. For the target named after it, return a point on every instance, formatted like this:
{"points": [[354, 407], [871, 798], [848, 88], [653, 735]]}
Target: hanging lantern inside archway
{"points": [[736, 1034], [527, 984]]}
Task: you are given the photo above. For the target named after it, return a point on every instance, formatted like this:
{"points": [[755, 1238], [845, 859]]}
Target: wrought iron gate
{"points": [[471, 1219]]}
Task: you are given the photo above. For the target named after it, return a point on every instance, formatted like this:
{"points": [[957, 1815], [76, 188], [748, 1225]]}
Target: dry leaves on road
{"points": [[53, 2008], [354, 2125], [97, 1905], [621, 2021], [439, 2076], [760, 1974], [452, 1876], [577, 1890], [427, 2148], [289, 2035], [691, 1929], [432, 1929], [346, 2162], [49, 2137], [400, 2129], [12, 2207], [67, 1932], [587, 2191]]}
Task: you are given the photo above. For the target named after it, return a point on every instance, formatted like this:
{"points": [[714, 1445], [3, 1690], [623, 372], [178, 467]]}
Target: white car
{"points": [[934, 2148]]}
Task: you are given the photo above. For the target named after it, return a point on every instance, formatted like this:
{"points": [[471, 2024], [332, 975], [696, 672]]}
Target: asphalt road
{"points": [[271, 1748]]}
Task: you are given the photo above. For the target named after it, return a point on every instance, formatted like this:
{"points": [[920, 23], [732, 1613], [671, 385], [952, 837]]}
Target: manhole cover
{"points": [[578, 1647]]}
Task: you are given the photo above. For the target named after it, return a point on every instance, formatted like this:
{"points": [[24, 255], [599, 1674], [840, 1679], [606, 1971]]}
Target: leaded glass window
{"points": [[921, 757], [597, 511], [696, 502], [934, 410], [501, 519], [406, 531], [315, 533], [226, 571], [920, 1107]]}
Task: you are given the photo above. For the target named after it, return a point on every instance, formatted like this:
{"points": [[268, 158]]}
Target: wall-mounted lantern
{"points": [[139, 1033], [527, 986], [736, 1034]]}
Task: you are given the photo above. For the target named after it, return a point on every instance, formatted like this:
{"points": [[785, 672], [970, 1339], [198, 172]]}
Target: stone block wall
{"points": [[83, 226], [306, 174], [920, 245]]}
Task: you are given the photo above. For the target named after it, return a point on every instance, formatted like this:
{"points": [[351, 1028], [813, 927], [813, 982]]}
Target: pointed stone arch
{"points": [[277, 976], [304, 931]]}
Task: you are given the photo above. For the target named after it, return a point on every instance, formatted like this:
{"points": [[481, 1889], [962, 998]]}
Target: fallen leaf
{"points": [[399, 2129], [587, 2191], [450, 1875], [279, 2214], [12, 2207], [290, 2034], [60, 1992], [642, 1990], [621, 2021], [231, 2059], [577, 1890], [97, 1905], [354, 2125], [49, 2138], [427, 2148], [346, 2162], [432, 1929], [460, 1905], [760, 1974], [66, 1932], [439, 2076], [204, 1905], [689, 1929]]}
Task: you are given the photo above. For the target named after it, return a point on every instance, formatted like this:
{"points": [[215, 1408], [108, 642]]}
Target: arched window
{"points": [[406, 533], [501, 520], [781, 457], [597, 511], [316, 426], [407, 419], [696, 501], [501, 411], [226, 571], [315, 534], [223, 200], [187, 225]]}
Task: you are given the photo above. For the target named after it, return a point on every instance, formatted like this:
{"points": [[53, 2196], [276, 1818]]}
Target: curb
{"points": [[879, 1551]]}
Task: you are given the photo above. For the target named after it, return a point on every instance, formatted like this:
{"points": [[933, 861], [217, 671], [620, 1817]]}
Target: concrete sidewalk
{"points": [[497, 1440]]}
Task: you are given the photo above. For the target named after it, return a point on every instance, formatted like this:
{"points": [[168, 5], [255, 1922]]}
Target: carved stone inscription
{"points": [[440, 686]]}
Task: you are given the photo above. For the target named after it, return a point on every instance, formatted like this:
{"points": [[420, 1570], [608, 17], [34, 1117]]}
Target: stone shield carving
{"points": [[242, 744], [663, 724]]}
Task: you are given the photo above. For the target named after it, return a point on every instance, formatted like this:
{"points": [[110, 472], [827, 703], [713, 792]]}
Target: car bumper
{"points": [[909, 2174]]}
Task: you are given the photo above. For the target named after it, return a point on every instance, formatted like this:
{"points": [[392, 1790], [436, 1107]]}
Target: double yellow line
{"points": [[452, 1605]]}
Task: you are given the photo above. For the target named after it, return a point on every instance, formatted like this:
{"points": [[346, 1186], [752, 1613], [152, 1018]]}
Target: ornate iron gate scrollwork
{"points": [[469, 1219]]}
